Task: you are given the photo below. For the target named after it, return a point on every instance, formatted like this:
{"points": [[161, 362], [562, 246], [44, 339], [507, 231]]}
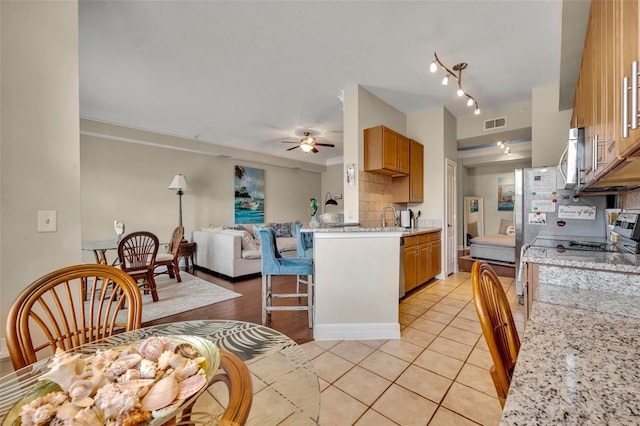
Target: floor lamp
{"points": [[179, 183]]}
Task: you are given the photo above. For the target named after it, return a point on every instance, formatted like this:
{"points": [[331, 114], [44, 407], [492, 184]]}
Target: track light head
{"points": [[455, 73]]}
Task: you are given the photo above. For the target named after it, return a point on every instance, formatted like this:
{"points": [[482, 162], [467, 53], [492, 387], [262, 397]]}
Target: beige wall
{"points": [[332, 181], [128, 181], [363, 110], [550, 127], [427, 127], [472, 126], [39, 141]]}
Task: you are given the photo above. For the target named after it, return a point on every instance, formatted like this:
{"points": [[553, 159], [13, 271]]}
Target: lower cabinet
{"points": [[421, 259]]}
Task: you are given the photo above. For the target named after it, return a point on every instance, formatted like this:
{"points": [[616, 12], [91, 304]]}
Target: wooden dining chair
{"points": [[70, 307], [235, 374], [497, 323], [137, 253], [170, 259]]}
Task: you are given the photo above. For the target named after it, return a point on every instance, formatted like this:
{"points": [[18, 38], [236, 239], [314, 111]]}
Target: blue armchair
{"points": [[273, 263]]}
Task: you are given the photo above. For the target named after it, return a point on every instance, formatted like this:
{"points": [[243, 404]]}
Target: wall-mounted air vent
{"points": [[495, 123]]}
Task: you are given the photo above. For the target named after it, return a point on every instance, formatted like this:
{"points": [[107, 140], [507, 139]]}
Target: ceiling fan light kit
{"points": [[455, 73], [308, 144]]}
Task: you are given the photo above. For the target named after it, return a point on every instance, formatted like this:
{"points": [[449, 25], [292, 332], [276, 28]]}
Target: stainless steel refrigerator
{"points": [[543, 207]]}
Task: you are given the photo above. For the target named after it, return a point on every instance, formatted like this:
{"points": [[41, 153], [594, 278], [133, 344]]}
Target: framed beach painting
{"points": [[506, 194], [249, 195]]}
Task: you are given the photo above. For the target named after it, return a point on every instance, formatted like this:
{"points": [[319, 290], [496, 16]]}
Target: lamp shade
{"points": [[179, 182]]}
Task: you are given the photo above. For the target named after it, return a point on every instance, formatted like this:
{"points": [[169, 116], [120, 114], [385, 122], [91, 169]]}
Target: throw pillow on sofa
{"points": [[256, 230], [283, 230], [248, 243]]}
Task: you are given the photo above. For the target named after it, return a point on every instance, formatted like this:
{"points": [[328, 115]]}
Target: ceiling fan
{"points": [[308, 143]]}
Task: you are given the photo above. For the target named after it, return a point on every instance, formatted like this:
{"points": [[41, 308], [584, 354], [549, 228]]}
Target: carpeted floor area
{"points": [[176, 297]]}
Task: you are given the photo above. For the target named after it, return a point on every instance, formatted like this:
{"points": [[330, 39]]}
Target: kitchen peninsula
{"points": [[357, 278], [578, 361]]}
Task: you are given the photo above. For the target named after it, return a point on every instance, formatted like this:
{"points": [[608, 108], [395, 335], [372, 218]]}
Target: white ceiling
{"points": [[248, 74]]}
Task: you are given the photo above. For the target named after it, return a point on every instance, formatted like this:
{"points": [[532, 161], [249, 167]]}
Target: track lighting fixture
{"points": [[457, 68], [505, 147]]}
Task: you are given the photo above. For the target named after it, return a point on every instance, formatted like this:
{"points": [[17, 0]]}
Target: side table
{"points": [[187, 250]]}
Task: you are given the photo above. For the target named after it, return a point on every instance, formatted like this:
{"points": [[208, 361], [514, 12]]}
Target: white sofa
{"points": [[234, 253]]}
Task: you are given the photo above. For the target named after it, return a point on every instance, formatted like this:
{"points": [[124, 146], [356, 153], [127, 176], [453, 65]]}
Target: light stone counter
{"points": [[578, 363], [615, 262], [576, 367], [406, 232]]}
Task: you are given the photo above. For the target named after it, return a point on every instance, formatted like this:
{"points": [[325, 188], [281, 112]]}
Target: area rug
{"points": [[175, 297]]}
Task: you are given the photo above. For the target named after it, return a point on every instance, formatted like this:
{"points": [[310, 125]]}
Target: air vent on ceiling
{"points": [[495, 123]]}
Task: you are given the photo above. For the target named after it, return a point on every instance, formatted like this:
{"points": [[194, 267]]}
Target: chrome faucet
{"points": [[395, 216]]}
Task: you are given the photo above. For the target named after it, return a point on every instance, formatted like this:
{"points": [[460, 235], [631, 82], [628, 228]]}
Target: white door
{"points": [[450, 216]]}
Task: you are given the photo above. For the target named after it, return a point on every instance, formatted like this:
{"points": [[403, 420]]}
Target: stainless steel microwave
{"points": [[571, 165]]}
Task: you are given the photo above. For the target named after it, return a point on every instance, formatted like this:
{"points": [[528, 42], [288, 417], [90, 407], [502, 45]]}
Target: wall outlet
{"points": [[47, 220]]}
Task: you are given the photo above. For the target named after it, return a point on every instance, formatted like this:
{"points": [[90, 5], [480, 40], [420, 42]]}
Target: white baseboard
{"points": [[374, 331]]}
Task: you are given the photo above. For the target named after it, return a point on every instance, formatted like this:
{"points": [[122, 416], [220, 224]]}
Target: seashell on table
{"points": [[109, 383]]}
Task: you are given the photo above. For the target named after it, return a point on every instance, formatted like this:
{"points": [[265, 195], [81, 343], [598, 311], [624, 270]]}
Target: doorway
{"points": [[450, 215]]}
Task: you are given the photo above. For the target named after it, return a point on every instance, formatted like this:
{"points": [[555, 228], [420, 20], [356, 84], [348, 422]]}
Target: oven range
{"points": [[623, 245]]}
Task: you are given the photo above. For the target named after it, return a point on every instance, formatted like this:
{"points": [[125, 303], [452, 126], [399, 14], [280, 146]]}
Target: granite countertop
{"points": [[406, 232], [578, 361], [615, 262], [576, 366]]}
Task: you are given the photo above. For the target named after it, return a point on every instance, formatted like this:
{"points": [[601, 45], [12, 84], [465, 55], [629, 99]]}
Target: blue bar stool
{"points": [[274, 264]]}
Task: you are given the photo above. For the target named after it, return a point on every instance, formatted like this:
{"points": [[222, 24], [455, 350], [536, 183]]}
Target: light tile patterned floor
{"points": [[436, 374]]}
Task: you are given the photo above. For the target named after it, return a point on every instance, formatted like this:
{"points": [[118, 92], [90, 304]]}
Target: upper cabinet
{"points": [[386, 151], [606, 97], [410, 189]]}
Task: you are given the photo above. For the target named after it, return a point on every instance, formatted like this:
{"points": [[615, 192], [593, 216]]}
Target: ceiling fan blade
{"points": [[325, 144], [314, 150], [297, 146]]}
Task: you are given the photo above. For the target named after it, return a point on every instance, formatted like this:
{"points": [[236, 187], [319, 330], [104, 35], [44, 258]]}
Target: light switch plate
{"points": [[47, 220]]}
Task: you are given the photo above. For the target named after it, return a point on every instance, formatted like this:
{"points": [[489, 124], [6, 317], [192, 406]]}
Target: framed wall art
{"points": [[506, 194], [249, 195]]}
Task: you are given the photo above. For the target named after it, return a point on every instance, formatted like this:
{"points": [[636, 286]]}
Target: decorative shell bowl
{"points": [[155, 376]]}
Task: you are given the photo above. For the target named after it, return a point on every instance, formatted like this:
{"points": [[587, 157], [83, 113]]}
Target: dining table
{"points": [[100, 248], [285, 384]]}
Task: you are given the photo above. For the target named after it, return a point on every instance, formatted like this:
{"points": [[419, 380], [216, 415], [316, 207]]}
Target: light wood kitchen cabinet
{"points": [[628, 53], [597, 90], [386, 151], [410, 259], [410, 189], [421, 259], [611, 47], [435, 256]]}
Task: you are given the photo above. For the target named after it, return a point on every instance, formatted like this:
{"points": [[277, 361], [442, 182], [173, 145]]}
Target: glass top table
{"points": [[285, 383], [99, 249]]}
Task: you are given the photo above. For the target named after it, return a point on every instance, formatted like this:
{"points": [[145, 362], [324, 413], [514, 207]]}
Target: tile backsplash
{"points": [[631, 200], [375, 194]]}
